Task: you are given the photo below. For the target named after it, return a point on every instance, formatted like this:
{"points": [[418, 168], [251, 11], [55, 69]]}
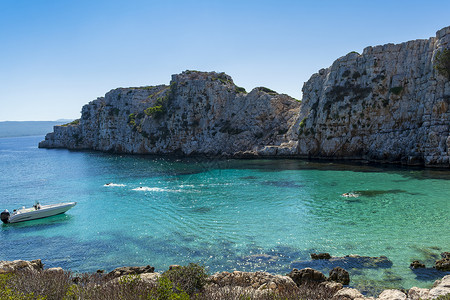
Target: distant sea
{"points": [[28, 128], [225, 214]]}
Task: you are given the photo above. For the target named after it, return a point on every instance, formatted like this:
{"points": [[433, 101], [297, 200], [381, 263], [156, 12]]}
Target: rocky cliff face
{"points": [[199, 113], [387, 104]]}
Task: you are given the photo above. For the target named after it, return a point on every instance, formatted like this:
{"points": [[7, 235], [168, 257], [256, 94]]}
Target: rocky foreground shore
{"points": [[255, 284]]}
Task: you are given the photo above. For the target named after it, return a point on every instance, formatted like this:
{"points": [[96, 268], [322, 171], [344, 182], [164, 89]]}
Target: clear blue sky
{"points": [[56, 56]]}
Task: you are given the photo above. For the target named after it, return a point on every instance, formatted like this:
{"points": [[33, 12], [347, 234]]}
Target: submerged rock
{"points": [[444, 263], [346, 262], [320, 256], [416, 265]]}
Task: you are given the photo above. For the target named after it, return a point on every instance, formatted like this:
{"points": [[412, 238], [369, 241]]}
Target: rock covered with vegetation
{"points": [[390, 104], [198, 113]]}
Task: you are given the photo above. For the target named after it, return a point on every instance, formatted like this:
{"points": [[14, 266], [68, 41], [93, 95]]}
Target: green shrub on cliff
{"points": [[190, 279], [132, 119], [240, 89], [165, 291], [74, 122], [156, 111], [442, 63], [267, 90]]}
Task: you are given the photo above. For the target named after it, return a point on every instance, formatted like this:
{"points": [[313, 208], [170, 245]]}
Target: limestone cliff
{"points": [[199, 113], [387, 104]]}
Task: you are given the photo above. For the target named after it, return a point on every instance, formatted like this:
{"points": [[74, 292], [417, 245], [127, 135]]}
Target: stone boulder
{"points": [[340, 275], [416, 293], [252, 281], [392, 295], [348, 294], [416, 265], [129, 271], [444, 263], [21, 265], [440, 288], [306, 275], [151, 278]]}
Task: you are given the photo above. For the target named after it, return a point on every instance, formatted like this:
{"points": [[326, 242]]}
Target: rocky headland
{"points": [[388, 104], [198, 113]]}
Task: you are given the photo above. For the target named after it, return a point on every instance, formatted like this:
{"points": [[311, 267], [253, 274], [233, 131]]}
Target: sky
{"points": [[57, 55]]}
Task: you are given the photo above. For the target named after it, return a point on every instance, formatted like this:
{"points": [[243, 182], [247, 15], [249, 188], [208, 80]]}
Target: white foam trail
{"points": [[154, 189], [149, 189], [114, 184]]}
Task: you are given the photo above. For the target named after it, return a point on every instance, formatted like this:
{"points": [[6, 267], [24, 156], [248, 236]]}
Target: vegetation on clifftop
{"points": [[74, 122]]}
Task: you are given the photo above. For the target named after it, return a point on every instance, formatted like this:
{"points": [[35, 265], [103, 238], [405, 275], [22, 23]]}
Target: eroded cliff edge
{"points": [[198, 113], [388, 104]]}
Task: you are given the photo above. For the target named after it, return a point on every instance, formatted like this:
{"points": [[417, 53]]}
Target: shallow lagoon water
{"points": [[228, 215]]}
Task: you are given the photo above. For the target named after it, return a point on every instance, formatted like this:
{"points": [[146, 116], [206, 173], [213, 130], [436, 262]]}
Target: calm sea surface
{"points": [[247, 215]]}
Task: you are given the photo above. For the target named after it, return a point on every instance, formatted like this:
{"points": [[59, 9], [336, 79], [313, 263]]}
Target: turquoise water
{"points": [[225, 214]]}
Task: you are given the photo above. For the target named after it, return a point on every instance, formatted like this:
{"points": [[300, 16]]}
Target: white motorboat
{"points": [[36, 212]]}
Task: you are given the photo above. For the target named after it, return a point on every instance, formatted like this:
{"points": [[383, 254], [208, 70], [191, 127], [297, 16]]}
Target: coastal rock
{"points": [[20, 265], [388, 104], [198, 113], [306, 274], [253, 281], [442, 288], [416, 265], [331, 286], [348, 294], [444, 263], [150, 277], [171, 267], [392, 295], [416, 293], [320, 255], [55, 270], [129, 271], [340, 275]]}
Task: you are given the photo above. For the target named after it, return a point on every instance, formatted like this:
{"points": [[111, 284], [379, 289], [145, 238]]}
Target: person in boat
{"points": [[353, 195]]}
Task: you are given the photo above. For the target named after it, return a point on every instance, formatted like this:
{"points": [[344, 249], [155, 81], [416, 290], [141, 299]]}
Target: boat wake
{"points": [[114, 184], [154, 189]]}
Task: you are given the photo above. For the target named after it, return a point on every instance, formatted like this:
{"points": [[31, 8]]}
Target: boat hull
{"points": [[44, 212]]}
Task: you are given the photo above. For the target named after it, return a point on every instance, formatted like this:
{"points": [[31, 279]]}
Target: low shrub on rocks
{"points": [[178, 283]]}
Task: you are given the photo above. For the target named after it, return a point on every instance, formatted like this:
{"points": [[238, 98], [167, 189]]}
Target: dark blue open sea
{"points": [[225, 214]]}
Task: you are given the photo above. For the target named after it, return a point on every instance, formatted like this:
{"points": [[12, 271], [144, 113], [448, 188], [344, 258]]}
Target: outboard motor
{"points": [[4, 216]]}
